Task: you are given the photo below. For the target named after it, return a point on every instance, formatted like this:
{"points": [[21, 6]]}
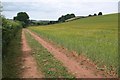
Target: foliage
{"points": [[23, 17], [11, 60], [65, 17], [95, 14], [53, 22], [89, 15], [92, 15], [100, 13], [9, 30], [36, 23], [11, 47]]}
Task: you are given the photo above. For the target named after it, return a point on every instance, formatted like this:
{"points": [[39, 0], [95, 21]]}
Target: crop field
{"points": [[94, 37]]}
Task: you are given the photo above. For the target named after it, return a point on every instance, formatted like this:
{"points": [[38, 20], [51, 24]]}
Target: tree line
{"points": [[11, 27], [23, 17], [100, 13], [65, 17]]}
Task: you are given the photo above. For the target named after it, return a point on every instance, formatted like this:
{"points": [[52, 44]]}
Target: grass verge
{"points": [[10, 61], [48, 65]]}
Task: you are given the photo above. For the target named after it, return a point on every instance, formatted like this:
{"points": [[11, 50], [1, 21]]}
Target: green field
{"points": [[95, 37]]}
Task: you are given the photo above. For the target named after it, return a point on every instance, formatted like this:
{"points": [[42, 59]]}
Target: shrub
{"points": [[9, 30]]}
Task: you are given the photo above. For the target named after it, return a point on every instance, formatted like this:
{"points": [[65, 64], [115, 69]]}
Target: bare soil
{"points": [[29, 65], [80, 67]]}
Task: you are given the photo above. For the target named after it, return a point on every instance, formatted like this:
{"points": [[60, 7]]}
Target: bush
{"points": [[9, 30]]}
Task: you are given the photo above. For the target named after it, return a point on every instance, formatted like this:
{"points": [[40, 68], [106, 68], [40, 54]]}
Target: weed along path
{"points": [[71, 65], [29, 65]]}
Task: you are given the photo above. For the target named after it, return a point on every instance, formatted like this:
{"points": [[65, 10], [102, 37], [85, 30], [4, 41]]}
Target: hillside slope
{"points": [[95, 37]]}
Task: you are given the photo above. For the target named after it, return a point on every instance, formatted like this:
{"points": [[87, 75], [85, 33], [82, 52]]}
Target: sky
{"points": [[53, 9]]}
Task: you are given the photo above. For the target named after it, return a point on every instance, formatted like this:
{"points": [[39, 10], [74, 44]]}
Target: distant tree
{"points": [[61, 19], [95, 14], [100, 13], [65, 17], [89, 15], [23, 17], [72, 15], [38, 23], [53, 22], [14, 18]]}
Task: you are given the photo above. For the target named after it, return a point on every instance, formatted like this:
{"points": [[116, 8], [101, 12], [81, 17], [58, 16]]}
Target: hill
{"points": [[95, 37]]}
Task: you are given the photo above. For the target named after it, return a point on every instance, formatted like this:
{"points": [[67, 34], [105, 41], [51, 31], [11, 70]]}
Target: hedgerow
{"points": [[9, 30]]}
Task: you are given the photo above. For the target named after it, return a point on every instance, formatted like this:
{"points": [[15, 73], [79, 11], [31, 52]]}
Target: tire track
{"points": [[29, 65], [70, 64]]}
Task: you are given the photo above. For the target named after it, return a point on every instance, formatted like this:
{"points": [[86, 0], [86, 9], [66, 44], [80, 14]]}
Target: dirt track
{"points": [[69, 63], [29, 66]]}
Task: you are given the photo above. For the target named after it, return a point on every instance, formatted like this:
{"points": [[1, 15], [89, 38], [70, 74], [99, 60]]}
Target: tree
{"points": [[72, 15], [61, 19], [65, 17], [23, 18], [95, 14], [89, 15], [100, 13], [15, 18]]}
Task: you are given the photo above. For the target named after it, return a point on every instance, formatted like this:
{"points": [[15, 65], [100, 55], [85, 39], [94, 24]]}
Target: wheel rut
{"points": [[29, 65], [71, 65]]}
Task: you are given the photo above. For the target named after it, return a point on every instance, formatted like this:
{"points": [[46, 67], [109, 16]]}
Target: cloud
{"points": [[52, 9], [20, 6], [56, 1]]}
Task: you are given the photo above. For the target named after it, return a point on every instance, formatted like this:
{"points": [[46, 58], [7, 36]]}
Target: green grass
{"points": [[119, 43], [11, 58], [49, 66], [95, 37]]}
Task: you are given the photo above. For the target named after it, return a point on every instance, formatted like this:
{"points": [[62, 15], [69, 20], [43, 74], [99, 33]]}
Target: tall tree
{"points": [[23, 17]]}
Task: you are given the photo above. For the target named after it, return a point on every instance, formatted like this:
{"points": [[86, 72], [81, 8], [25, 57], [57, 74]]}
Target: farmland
{"points": [[94, 37], [80, 48]]}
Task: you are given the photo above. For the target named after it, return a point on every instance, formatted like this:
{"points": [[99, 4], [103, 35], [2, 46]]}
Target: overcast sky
{"points": [[52, 9]]}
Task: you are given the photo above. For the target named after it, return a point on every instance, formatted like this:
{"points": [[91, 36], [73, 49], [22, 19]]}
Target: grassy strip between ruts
{"points": [[11, 59], [49, 66]]}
